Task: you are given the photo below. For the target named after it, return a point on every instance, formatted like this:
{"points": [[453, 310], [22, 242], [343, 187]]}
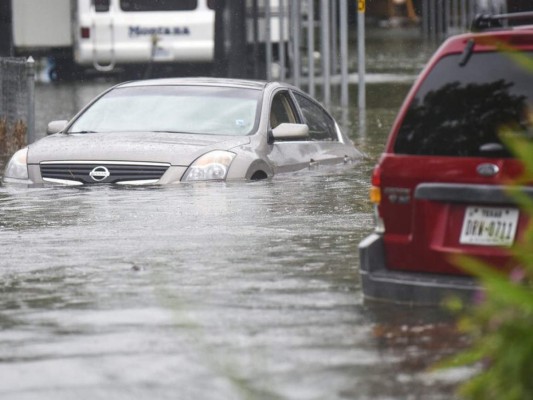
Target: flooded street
{"points": [[212, 291]]}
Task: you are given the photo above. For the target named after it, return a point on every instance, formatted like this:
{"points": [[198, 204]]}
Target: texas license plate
{"points": [[489, 226]]}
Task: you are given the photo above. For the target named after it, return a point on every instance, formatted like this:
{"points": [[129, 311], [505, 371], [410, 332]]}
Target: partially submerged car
{"points": [[439, 189], [165, 131]]}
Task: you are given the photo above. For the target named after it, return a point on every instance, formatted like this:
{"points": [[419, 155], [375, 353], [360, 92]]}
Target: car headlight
{"points": [[211, 166], [17, 167]]}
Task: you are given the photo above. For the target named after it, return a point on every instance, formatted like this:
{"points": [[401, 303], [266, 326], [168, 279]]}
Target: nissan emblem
{"points": [[99, 174]]}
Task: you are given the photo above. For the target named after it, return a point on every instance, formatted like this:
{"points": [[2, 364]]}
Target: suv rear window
{"points": [[460, 110], [160, 5]]}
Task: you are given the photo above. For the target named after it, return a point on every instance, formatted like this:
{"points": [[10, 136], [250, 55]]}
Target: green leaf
{"points": [[467, 357], [498, 284], [520, 146]]}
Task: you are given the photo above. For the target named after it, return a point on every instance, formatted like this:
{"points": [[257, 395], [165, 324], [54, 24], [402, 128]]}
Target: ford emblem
{"points": [[487, 169], [98, 174]]}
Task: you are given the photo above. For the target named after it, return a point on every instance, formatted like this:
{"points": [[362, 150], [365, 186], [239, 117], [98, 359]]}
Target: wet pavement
{"points": [[212, 291]]}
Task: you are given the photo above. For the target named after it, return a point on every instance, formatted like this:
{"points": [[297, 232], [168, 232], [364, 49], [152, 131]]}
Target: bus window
{"points": [[161, 5], [101, 5]]}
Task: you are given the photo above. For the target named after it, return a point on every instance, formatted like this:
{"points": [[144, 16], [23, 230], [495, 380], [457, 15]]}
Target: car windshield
{"points": [[460, 110], [180, 109]]}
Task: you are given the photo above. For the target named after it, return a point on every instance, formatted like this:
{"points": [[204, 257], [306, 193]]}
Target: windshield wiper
{"points": [[467, 52], [84, 132]]}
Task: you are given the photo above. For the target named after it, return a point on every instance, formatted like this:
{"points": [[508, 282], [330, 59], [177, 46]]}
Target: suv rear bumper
{"points": [[382, 284]]}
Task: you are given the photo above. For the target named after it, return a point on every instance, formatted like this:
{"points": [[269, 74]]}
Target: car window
{"points": [[281, 110], [321, 125], [182, 109], [461, 110]]}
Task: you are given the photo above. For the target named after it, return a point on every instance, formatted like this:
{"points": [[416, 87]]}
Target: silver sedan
{"points": [[182, 130]]}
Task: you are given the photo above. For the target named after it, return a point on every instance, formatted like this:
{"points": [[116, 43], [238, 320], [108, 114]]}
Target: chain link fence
{"points": [[17, 103]]}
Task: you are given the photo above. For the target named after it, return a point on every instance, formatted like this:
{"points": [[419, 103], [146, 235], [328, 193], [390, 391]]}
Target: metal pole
{"points": [[455, 14], [324, 19], [361, 64], [268, 41], [333, 32], [292, 44], [425, 19], [464, 23], [440, 20], [295, 23], [472, 11], [311, 46], [237, 39], [447, 12], [433, 18], [281, 43], [30, 81], [344, 51], [255, 37], [221, 50]]}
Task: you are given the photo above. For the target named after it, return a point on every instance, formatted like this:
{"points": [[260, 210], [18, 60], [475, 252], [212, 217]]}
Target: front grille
{"points": [[102, 172]]}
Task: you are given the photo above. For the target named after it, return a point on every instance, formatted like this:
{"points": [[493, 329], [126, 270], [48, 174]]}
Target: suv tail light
{"points": [[375, 198], [375, 189]]}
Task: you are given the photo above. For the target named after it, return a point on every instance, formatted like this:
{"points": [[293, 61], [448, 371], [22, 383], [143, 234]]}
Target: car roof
{"points": [[198, 81], [521, 38], [490, 31]]}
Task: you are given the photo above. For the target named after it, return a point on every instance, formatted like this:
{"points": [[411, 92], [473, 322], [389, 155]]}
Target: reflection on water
{"points": [[207, 291]]}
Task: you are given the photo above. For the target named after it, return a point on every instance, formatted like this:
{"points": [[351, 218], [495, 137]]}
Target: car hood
{"points": [[173, 148]]}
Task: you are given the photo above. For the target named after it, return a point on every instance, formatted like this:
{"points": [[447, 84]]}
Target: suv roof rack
{"points": [[483, 22]]}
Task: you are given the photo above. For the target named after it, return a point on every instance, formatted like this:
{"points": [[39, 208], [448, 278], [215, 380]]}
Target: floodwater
{"points": [[212, 291]]}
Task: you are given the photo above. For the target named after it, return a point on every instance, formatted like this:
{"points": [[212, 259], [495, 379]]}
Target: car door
{"points": [[321, 147], [323, 132], [290, 154]]}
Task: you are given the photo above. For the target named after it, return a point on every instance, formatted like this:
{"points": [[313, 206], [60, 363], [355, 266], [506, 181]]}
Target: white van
{"points": [[111, 32]]}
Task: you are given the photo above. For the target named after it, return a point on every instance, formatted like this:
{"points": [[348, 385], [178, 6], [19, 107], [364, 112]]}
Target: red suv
{"points": [[438, 188]]}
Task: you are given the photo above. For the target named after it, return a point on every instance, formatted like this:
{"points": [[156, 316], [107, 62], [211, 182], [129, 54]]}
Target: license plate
{"points": [[489, 226]]}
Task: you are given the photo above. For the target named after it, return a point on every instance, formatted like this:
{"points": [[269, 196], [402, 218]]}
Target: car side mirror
{"points": [[288, 131], [56, 126]]}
